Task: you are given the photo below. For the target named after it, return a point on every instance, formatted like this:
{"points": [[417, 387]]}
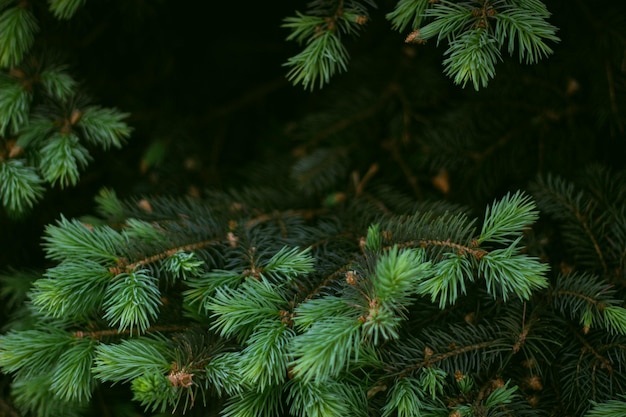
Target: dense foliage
{"points": [[357, 208]]}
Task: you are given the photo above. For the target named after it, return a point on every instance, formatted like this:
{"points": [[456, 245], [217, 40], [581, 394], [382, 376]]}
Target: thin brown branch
{"points": [[587, 228], [431, 358], [612, 96], [583, 297], [462, 250], [306, 214], [605, 362], [99, 334], [392, 147], [327, 281], [360, 184], [125, 265]]}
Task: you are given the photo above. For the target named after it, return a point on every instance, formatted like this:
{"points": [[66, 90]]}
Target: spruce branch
{"points": [[476, 32], [254, 403], [509, 216], [612, 408], [20, 186], [406, 397], [71, 239], [32, 352], [132, 301], [472, 57], [62, 158], [72, 289], [72, 381], [328, 398], [560, 199], [321, 30], [34, 395], [130, 359], [15, 104], [508, 272], [57, 83], [17, 33], [237, 312], [264, 359], [41, 108], [104, 126], [65, 9], [408, 14], [154, 392], [325, 349], [323, 56], [586, 298]]}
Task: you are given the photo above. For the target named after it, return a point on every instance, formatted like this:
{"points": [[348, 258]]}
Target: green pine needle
{"points": [[57, 82], [324, 56], [70, 239], [62, 157], [237, 312], [255, 404], [615, 319], [104, 127], [408, 14], [154, 392], [130, 359], [65, 9], [15, 103], [17, 34], [72, 379], [447, 282], [32, 352], [472, 57], [507, 218], [611, 408], [263, 362], [20, 186], [405, 398], [289, 263], [397, 276], [508, 273], [132, 301], [73, 289], [329, 398], [325, 349]]}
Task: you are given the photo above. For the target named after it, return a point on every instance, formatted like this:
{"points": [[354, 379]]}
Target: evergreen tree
{"points": [[401, 244]]}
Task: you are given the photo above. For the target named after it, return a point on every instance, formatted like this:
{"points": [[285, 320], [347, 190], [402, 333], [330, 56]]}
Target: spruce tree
{"points": [[430, 219]]}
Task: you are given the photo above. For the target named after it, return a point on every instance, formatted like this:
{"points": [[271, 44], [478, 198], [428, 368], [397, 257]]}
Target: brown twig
{"points": [[99, 334], [124, 265]]}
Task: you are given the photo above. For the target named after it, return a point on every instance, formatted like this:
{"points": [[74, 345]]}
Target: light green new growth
{"points": [[613, 408]]}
